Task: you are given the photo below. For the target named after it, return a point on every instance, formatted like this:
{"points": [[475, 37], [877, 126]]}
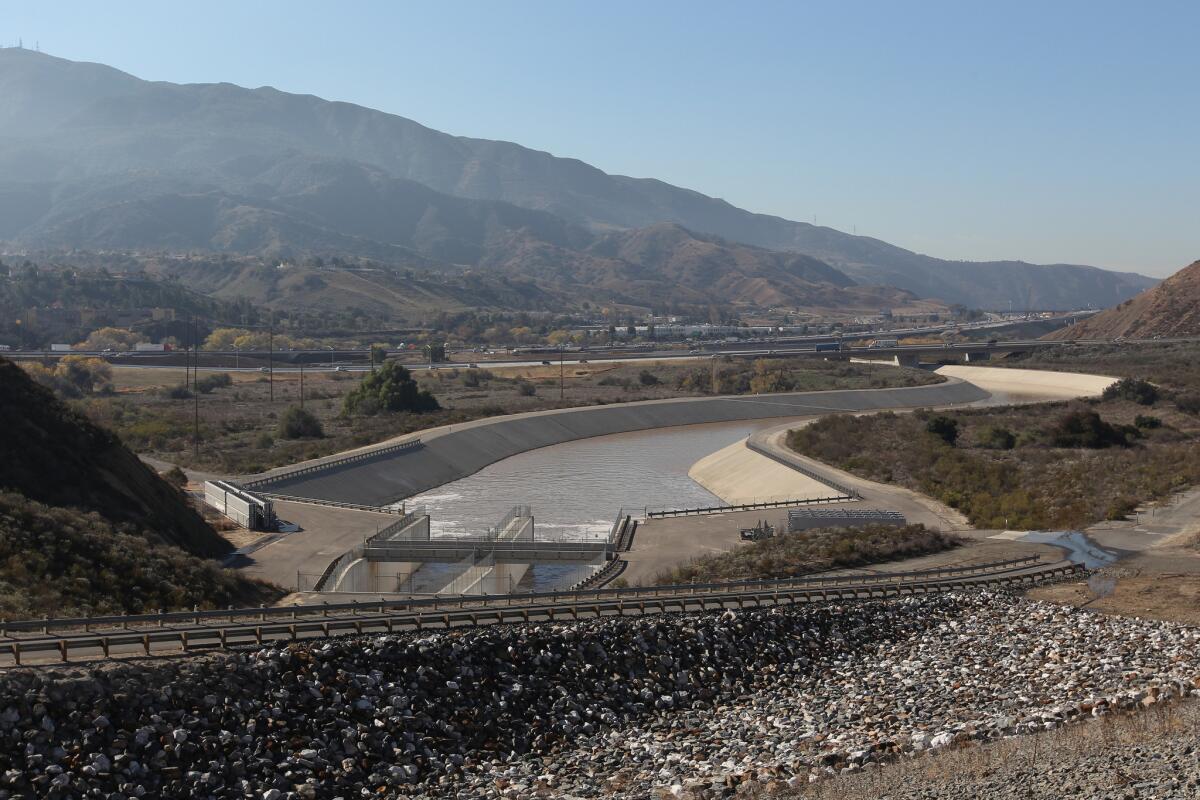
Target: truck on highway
{"points": [[883, 343], [829, 347], [150, 347], [60, 348]]}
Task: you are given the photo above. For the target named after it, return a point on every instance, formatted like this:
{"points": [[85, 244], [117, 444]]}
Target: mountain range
{"points": [[1170, 309], [94, 158]]}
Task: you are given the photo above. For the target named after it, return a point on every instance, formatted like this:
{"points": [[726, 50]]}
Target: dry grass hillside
{"points": [[1170, 309]]}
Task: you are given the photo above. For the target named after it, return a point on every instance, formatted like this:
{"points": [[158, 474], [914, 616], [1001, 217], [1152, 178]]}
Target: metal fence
{"points": [[631, 593], [334, 463], [850, 492], [447, 613]]}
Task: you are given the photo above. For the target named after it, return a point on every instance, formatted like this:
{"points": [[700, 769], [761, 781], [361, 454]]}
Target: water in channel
{"points": [[577, 488]]}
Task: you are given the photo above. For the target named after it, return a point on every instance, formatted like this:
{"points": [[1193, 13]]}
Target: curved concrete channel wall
{"points": [[456, 454]]}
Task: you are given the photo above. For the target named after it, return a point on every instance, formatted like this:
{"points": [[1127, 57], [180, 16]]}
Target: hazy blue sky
{"points": [[1046, 131]]}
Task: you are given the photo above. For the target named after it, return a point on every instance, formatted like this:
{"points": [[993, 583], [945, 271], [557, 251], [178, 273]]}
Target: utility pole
{"points": [[301, 384], [271, 356], [716, 386], [187, 354], [560, 373], [196, 394]]}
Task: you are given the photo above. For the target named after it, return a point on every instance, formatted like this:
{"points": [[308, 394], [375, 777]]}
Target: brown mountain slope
{"points": [[668, 263], [1170, 309], [50, 454]]}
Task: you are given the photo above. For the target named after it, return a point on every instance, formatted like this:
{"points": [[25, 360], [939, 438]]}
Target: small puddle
{"points": [[1079, 547]]}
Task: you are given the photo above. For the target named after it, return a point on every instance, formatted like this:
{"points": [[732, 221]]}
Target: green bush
{"points": [[997, 438], [299, 423], [526, 389], [217, 380], [1086, 429], [648, 378], [1136, 390], [945, 428], [178, 392], [389, 389], [1147, 422]]}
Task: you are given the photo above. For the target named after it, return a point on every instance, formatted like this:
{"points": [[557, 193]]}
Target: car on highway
{"points": [[545, 363]]}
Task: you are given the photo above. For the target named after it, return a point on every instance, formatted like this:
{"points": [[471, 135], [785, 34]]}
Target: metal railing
{"points": [[289, 498], [333, 464], [405, 521], [472, 611], [725, 509], [47, 624], [850, 492]]}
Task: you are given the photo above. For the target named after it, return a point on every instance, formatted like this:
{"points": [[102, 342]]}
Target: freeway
{"points": [[285, 361], [62, 640]]}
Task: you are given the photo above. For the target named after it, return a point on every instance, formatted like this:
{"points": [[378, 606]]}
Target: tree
{"points": [[378, 354], [84, 373], [945, 428], [389, 389], [299, 423], [110, 339]]}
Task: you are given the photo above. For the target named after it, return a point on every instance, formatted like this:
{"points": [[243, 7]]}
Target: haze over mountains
{"points": [[93, 158]]}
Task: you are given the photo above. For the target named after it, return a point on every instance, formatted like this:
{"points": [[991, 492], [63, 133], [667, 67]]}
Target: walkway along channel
{"points": [[63, 639]]}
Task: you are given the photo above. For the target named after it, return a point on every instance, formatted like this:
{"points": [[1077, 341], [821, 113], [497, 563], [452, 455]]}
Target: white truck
{"points": [[149, 347], [60, 348]]}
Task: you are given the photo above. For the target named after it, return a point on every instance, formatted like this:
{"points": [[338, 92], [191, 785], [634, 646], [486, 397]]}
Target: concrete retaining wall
{"points": [[457, 454]]}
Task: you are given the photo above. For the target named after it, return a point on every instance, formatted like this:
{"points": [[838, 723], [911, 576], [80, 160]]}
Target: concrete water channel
{"points": [[577, 469]]}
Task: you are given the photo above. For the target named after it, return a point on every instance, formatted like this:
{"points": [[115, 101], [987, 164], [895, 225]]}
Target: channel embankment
{"points": [[458, 451], [752, 469]]}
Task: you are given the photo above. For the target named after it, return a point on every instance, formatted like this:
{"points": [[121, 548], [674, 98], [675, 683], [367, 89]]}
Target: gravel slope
{"points": [[688, 704]]}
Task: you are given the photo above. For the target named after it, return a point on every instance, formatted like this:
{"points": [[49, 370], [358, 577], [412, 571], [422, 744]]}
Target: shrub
{"points": [[1133, 389], [264, 441], [217, 380], [945, 428], [299, 423], [1120, 508], [177, 392], [997, 438], [176, 477], [1086, 429], [1147, 422], [1188, 403], [648, 378], [526, 389]]}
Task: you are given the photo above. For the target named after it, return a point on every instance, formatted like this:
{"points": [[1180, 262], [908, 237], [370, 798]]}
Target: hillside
{"points": [[86, 526], [1170, 309], [50, 454], [93, 157]]}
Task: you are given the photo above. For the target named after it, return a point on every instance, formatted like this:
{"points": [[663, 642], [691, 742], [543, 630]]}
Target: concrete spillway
{"points": [[454, 454]]}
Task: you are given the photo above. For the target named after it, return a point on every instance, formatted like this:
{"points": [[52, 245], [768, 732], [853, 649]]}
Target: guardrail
{"points": [[334, 463], [438, 613], [851, 492], [690, 512], [47, 624]]}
